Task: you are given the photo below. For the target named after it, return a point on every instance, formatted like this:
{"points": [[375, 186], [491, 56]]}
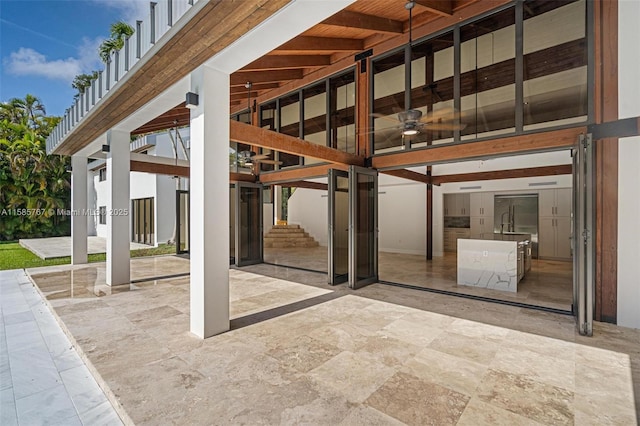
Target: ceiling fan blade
{"points": [[268, 161], [443, 126], [385, 117], [447, 114], [260, 157]]}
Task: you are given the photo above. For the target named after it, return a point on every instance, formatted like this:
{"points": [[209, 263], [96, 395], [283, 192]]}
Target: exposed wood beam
{"points": [[439, 7], [563, 169], [304, 184], [241, 177], [239, 78], [350, 19], [323, 44], [513, 145], [159, 169], [288, 62], [408, 174], [299, 173], [252, 135]]}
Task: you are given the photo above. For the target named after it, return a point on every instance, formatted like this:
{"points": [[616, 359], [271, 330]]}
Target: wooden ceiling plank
{"points": [[309, 43], [254, 86], [349, 19], [252, 135], [239, 78], [274, 62], [439, 7]]}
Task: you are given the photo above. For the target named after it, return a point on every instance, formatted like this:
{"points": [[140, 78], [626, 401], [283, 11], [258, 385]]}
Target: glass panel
{"points": [[555, 63], [134, 222], [232, 223], [341, 227], [315, 116], [289, 125], [388, 100], [268, 120], [365, 226], [250, 216], [183, 222], [244, 117], [343, 112], [432, 88], [487, 76]]}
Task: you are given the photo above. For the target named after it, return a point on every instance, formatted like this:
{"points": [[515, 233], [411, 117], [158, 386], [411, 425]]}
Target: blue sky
{"points": [[45, 43]]}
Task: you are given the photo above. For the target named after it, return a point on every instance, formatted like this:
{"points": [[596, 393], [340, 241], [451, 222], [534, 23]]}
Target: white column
{"points": [[118, 208], [209, 197], [78, 209], [628, 171]]}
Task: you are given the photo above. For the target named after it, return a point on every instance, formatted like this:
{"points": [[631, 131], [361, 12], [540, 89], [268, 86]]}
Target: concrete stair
{"points": [[288, 236]]}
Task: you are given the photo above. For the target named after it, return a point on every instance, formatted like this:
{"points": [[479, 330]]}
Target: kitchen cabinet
{"points": [[481, 225], [554, 209], [456, 205], [555, 202], [554, 239], [481, 205], [451, 236]]}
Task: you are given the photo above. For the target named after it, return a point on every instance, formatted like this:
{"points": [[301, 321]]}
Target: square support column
{"points": [[209, 198], [78, 210], [118, 208]]}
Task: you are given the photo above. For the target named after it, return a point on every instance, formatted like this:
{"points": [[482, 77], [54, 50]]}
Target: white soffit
{"points": [[290, 21]]}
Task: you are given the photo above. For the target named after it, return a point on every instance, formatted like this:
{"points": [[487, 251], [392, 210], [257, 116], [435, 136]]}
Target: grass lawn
{"points": [[14, 256]]}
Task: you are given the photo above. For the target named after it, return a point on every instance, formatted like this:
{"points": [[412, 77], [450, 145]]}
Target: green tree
{"points": [[82, 82], [32, 182], [119, 31]]}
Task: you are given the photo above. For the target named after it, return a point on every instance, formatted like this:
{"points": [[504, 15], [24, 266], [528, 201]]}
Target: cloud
{"points": [[26, 61], [131, 10]]}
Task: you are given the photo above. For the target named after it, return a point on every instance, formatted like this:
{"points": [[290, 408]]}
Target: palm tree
{"points": [[119, 31], [82, 82], [28, 111]]}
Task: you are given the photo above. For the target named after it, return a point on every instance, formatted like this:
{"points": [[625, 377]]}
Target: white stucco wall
{"points": [[308, 208], [628, 167]]}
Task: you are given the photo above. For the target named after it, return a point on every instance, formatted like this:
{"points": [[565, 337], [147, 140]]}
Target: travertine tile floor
{"points": [[548, 283], [378, 355]]}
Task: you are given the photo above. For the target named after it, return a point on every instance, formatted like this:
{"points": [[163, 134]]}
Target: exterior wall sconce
{"points": [[192, 100], [105, 148]]}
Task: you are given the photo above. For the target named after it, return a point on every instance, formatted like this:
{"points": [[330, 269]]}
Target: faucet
{"points": [[502, 223]]}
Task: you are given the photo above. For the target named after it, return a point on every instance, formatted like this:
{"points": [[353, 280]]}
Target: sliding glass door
{"points": [[182, 221], [338, 236], [248, 224], [583, 235], [143, 224], [363, 229]]}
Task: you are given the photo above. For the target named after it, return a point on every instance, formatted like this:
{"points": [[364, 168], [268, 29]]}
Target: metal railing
{"points": [[163, 15]]}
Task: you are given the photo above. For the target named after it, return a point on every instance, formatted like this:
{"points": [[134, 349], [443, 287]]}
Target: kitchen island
{"points": [[494, 261]]}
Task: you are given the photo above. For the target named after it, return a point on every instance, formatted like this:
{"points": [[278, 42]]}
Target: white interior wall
{"points": [[628, 170], [309, 209]]}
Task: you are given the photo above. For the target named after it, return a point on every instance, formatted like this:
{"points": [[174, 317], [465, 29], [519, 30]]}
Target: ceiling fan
{"points": [[413, 121], [249, 158]]}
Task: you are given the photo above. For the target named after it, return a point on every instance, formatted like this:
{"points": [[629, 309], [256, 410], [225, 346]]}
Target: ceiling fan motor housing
{"points": [[409, 116]]}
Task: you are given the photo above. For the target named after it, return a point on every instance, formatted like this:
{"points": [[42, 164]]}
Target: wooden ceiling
{"points": [[362, 25]]}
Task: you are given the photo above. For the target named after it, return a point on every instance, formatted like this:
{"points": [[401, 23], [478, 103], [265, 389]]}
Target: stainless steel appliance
{"points": [[517, 214]]}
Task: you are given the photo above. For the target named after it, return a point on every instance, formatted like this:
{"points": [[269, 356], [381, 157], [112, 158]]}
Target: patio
{"points": [[303, 352], [52, 247]]}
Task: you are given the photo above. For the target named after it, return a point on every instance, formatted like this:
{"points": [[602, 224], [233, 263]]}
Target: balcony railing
{"points": [[163, 14]]}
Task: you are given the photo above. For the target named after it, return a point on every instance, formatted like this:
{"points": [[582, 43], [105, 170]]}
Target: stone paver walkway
{"points": [[49, 248], [42, 378]]}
